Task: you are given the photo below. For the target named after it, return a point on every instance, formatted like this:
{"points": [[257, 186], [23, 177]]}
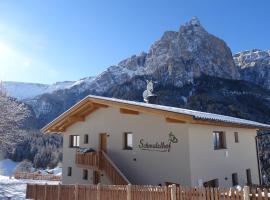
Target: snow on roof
{"points": [[194, 113]]}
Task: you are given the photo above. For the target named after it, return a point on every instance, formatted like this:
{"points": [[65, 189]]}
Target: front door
{"points": [[103, 142], [96, 177]]}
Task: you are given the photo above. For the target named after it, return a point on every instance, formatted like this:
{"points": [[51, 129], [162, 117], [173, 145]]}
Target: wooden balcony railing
{"points": [[101, 161], [90, 159], [111, 170]]}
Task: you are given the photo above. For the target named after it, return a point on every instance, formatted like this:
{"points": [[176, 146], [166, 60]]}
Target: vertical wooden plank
{"points": [[265, 194], [173, 192], [58, 191], [35, 194], [76, 191], [259, 194], [45, 191]]}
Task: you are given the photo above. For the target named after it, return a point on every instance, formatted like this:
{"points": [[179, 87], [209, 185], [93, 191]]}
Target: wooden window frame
{"points": [[235, 181], [69, 171], [236, 137], [71, 141], [126, 145], [85, 174], [219, 140], [86, 139]]}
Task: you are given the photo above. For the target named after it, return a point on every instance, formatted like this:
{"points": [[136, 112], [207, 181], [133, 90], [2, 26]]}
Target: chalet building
{"points": [[112, 141]]}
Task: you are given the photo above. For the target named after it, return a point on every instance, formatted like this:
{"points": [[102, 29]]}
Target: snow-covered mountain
{"points": [[254, 66], [23, 91]]}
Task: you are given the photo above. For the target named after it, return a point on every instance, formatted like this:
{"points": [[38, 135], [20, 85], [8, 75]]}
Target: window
{"points": [[236, 139], [128, 144], [69, 172], [249, 179], [211, 183], [85, 139], [219, 140], [85, 174], [234, 179], [74, 141]]}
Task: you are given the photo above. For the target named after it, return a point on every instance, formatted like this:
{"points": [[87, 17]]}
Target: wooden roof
{"points": [[172, 115]]}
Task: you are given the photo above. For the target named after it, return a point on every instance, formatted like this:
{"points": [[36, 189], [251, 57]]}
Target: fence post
{"points": [[58, 192], [98, 191], [129, 192], [76, 191], [45, 191], [173, 192], [245, 193], [35, 194]]}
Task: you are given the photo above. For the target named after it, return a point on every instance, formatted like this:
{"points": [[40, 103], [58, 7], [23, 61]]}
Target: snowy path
{"points": [[15, 189]]}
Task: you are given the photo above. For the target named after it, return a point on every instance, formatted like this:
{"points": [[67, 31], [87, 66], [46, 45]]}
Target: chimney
{"points": [[148, 95]]}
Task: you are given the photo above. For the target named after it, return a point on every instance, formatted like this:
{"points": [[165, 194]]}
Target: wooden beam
{"points": [[100, 105], [128, 111], [172, 120], [76, 118]]}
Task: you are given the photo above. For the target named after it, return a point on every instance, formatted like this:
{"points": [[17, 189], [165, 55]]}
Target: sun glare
{"points": [[4, 49]]}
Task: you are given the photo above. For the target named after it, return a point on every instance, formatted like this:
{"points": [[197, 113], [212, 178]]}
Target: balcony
{"points": [[88, 160]]}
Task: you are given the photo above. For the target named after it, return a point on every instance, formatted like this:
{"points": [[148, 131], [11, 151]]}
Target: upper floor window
{"points": [[85, 139], [74, 141], [236, 138], [128, 141], [219, 140]]}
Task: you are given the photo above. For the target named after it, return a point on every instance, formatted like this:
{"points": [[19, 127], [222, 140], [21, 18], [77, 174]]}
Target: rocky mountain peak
{"points": [[184, 55], [194, 21]]}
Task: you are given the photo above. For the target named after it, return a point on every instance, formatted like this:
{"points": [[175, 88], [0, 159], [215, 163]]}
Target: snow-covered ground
{"points": [[11, 188], [7, 167], [16, 189]]}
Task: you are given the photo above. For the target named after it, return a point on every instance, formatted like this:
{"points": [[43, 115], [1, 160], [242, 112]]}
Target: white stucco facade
{"points": [[191, 160]]}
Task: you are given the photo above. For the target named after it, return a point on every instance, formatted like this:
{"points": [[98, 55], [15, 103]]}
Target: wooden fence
{"points": [[37, 176], [136, 192]]}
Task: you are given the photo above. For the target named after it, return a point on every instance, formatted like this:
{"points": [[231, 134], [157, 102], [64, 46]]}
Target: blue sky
{"points": [[53, 40]]}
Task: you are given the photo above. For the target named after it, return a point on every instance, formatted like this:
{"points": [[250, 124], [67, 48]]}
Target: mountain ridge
{"points": [[177, 59]]}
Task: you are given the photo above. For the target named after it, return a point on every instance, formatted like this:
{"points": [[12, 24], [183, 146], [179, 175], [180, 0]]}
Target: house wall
{"points": [[189, 160], [207, 163], [139, 166]]}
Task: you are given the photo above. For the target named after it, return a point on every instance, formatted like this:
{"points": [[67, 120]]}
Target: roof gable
{"points": [[174, 115]]}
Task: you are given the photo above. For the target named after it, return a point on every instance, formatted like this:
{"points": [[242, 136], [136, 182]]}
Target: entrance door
{"points": [[96, 177], [103, 142]]}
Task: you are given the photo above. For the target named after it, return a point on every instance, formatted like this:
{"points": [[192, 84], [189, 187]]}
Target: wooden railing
{"points": [[90, 159], [111, 170], [37, 176], [101, 161]]}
